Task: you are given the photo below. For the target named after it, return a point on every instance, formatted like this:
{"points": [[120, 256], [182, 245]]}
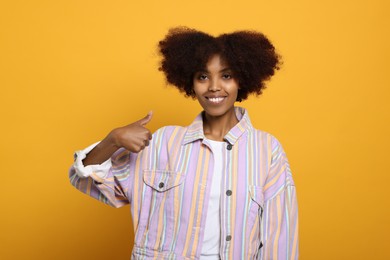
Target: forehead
{"points": [[216, 62]]}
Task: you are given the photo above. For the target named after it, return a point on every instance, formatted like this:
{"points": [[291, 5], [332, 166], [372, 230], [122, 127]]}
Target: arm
{"points": [[133, 137], [280, 216], [102, 171]]}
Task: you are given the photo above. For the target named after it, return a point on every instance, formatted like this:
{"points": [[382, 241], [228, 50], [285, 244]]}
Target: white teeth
{"points": [[216, 100]]}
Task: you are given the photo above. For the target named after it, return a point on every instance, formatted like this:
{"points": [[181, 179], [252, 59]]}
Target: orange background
{"points": [[70, 71]]}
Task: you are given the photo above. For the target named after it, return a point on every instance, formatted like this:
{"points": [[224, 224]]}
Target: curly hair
{"points": [[249, 54]]}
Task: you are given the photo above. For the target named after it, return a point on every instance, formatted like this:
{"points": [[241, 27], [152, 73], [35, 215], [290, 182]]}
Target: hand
{"points": [[134, 137]]}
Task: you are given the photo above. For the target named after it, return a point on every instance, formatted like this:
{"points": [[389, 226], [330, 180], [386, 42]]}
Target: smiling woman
{"points": [[216, 189], [216, 90]]}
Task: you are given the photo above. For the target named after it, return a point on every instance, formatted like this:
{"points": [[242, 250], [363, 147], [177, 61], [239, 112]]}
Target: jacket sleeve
{"points": [[109, 182], [280, 215]]}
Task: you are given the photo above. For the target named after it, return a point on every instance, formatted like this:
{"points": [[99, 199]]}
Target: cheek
{"points": [[199, 89], [234, 88], [196, 90], [197, 93]]}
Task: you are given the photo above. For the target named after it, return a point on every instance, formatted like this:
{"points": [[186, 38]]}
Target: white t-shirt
{"points": [[212, 236]]}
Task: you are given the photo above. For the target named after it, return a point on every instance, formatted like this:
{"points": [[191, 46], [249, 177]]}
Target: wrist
{"points": [[113, 139]]}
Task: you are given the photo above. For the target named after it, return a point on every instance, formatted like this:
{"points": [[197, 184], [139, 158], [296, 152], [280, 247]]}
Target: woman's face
{"points": [[216, 87]]}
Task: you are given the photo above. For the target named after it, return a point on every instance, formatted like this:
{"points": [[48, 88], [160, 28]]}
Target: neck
{"points": [[216, 127]]}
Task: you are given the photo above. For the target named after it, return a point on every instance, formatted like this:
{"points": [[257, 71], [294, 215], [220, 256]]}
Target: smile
{"points": [[215, 100]]}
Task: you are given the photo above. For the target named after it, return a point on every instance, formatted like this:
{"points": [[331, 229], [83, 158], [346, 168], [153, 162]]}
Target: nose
{"points": [[214, 85]]}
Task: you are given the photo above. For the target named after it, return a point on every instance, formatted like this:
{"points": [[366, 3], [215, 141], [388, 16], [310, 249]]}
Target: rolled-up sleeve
{"points": [[280, 215], [108, 182], [101, 170]]}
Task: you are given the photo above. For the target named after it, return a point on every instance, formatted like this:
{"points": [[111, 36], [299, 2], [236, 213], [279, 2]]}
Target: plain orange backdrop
{"points": [[70, 71]]}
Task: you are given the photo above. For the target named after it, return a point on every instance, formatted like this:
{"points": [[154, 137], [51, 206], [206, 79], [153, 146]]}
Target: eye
{"points": [[202, 77], [227, 76]]}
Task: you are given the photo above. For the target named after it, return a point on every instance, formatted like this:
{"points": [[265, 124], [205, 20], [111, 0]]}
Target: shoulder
{"points": [[167, 132], [262, 133], [269, 144], [266, 137], [169, 129]]}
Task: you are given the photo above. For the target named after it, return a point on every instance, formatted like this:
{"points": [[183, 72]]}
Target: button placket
{"points": [[228, 192]]}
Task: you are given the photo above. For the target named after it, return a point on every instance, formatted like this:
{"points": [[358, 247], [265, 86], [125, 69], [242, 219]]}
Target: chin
{"points": [[218, 111]]}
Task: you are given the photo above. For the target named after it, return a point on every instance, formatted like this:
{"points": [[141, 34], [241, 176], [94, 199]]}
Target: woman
{"points": [[216, 189]]}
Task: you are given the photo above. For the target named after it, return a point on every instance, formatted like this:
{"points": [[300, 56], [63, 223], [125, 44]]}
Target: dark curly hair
{"points": [[249, 54]]}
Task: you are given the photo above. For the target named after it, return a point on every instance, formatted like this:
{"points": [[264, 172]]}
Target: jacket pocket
{"points": [[162, 190], [161, 180], [254, 223], [257, 196]]}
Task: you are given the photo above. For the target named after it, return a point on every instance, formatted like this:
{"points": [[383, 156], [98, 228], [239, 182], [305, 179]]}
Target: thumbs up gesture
{"points": [[135, 136]]}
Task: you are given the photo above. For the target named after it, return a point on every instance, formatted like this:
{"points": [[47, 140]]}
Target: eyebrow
{"points": [[222, 70]]}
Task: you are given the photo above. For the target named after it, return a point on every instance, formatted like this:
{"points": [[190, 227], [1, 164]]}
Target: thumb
{"points": [[146, 119]]}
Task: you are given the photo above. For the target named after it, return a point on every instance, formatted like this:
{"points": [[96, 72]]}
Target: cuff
{"points": [[101, 170]]}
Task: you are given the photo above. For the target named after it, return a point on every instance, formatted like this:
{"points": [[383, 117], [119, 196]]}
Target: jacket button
{"points": [[229, 146], [228, 238], [161, 185], [229, 192]]}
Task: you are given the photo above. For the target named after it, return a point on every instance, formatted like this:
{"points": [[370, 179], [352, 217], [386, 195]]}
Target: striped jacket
{"points": [[168, 186]]}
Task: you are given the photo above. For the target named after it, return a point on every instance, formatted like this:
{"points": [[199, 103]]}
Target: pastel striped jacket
{"points": [[168, 186]]}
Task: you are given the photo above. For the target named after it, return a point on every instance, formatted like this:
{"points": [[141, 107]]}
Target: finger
{"points": [[138, 148], [146, 142], [146, 119]]}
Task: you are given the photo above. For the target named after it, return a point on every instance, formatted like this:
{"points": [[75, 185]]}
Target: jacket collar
{"points": [[195, 130]]}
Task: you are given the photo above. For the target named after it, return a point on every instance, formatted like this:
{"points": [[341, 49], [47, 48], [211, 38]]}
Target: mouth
{"points": [[215, 100]]}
